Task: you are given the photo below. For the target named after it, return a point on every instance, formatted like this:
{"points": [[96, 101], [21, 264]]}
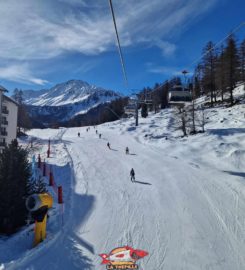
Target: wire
{"points": [[218, 43], [118, 45]]}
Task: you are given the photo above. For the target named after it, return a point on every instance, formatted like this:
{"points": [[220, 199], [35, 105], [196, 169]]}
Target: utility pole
{"points": [[184, 72], [136, 113], [137, 102]]}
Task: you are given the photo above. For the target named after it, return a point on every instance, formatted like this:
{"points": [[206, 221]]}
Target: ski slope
{"points": [[186, 208]]}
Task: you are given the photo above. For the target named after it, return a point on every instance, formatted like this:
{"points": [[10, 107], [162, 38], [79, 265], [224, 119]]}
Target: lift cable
{"points": [[218, 43], [118, 45]]}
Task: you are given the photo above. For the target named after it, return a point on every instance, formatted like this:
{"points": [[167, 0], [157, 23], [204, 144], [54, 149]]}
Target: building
{"points": [[8, 118]]}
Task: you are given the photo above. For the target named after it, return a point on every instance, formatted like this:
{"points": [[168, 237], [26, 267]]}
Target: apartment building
{"points": [[8, 118]]}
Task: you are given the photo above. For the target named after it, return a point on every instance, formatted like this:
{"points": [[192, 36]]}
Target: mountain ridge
{"points": [[65, 93], [64, 101]]}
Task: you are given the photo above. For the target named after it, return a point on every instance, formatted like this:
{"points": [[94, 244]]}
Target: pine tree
{"points": [[156, 98], [242, 61], [164, 90], [40, 186], [220, 73], [231, 66], [208, 79], [14, 179], [197, 90], [24, 120]]}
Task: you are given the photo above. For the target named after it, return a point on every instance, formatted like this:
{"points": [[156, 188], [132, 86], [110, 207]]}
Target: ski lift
{"points": [[179, 95], [129, 109]]}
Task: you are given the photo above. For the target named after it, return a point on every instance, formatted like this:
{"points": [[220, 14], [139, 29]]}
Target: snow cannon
{"points": [[36, 201], [38, 205]]}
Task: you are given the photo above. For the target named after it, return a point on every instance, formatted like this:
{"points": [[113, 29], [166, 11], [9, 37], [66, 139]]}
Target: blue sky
{"points": [[45, 42]]}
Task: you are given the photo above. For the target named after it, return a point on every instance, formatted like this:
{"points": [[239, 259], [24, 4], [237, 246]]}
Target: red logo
{"points": [[123, 258]]}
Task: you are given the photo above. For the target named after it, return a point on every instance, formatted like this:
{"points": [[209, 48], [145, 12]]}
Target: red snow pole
{"points": [[39, 161], [48, 152], [60, 195], [44, 168], [51, 179]]}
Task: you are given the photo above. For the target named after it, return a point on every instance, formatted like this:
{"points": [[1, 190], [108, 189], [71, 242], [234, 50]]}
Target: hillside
{"points": [[186, 207]]}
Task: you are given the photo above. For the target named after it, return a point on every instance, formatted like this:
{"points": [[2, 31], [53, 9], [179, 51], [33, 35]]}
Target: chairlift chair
{"points": [[179, 95], [130, 109]]}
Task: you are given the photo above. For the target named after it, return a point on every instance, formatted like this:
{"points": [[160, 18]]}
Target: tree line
{"points": [[216, 75], [220, 70]]}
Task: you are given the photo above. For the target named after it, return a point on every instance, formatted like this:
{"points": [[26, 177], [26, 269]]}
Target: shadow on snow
{"points": [[64, 247], [241, 174], [143, 183], [226, 131]]}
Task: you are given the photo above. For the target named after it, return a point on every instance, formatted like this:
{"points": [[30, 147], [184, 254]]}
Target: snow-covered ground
{"points": [[186, 208]]}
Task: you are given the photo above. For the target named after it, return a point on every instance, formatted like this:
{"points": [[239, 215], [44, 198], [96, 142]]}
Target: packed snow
{"points": [[186, 207]]}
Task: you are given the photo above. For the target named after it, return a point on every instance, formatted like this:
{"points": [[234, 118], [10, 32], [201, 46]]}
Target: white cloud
{"points": [[166, 70], [167, 48], [44, 29], [21, 74], [163, 70]]}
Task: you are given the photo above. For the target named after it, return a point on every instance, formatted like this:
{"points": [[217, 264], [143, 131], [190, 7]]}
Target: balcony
{"points": [[4, 133], [2, 144], [5, 122], [5, 111]]}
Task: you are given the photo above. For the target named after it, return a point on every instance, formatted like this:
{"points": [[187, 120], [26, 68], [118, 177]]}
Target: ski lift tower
{"points": [[147, 100], [132, 108], [185, 72]]}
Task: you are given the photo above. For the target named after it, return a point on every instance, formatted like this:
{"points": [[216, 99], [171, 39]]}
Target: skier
{"points": [[100, 136], [132, 174], [78, 134], [96, 131], [108, 145], [127, 151]]}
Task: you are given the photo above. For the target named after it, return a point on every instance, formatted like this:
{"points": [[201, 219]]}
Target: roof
{"points": [[3, 89], [11, 100]]}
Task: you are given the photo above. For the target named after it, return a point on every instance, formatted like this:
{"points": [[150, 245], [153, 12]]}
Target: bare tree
{"points": [[231, 66], [180, 120]]}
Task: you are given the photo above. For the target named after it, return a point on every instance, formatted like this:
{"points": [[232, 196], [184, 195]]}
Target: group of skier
{"points": [[132, 173], [87, 129]]}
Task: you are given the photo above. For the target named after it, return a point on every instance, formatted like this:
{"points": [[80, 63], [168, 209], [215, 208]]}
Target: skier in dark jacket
{"points": [[108, 145], [132, 174], [127, 151], [78, 134]]}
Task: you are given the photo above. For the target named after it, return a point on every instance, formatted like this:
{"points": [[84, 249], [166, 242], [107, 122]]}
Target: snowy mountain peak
{"points": [[66, 100], [69, 92]]}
